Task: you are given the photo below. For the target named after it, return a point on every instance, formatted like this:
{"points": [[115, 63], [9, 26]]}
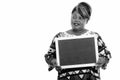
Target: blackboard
{"points": [[76, 51]]}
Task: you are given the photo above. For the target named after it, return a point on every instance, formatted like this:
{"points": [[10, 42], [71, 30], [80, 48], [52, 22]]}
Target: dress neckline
{"points": [[76, 35]]}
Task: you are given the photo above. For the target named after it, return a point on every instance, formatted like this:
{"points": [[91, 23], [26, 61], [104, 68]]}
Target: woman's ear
{"points": [[86, 21]]}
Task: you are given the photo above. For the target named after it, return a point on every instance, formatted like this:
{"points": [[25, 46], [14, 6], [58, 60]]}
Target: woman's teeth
{"points": [[76, 24]]}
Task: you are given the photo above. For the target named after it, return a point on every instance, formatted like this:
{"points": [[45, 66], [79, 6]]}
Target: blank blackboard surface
{"points": [[76, 52]]}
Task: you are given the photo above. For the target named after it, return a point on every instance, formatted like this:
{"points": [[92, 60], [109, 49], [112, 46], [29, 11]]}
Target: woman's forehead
{"points": [[76, 13]]}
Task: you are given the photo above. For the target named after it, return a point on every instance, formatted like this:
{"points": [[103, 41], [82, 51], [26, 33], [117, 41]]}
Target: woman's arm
{"points": [[50, 57], [104, 53]]}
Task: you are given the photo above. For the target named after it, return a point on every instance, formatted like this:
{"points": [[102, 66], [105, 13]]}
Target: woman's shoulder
{"points": [[63, 34], [69, 31], [96, 34], [59, 34], [93, 32]]}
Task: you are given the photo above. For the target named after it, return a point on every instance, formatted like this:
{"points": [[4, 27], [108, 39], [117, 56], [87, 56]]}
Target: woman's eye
{"points": [[80, 17], [74, 17]]}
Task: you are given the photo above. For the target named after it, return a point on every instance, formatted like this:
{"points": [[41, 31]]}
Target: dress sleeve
{"points": [[51, 54], [103, 51]]}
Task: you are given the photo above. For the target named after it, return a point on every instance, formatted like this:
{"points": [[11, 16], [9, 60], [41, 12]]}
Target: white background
{"points": [[27, 28]]}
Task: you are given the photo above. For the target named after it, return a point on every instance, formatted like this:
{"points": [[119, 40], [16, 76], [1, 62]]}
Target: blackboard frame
{"points": [[61, 39]]}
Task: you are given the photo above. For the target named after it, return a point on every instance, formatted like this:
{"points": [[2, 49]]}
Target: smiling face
{"points": [[77, 21]]}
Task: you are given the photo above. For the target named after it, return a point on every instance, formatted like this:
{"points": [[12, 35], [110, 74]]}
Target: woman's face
{"points": [[77, 21]]}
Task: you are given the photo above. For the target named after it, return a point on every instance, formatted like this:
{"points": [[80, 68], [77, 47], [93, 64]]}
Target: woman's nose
{"points": [[75, 16]]}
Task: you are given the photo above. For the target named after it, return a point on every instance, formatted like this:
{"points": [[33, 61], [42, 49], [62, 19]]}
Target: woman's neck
{"points": [[77, 32]]}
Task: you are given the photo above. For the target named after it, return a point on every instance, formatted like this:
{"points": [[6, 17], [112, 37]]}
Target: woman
{"points": [[80, 16]]}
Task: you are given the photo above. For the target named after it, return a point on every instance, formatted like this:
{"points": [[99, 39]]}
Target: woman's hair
{"points": [[83, 9]]}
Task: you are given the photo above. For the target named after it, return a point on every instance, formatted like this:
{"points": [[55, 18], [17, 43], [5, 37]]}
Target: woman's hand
{"points": [[101, 61], [58, 68], [54, 62]]}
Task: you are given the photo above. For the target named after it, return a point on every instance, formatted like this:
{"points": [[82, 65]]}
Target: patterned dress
{"points": [[84, 73]]}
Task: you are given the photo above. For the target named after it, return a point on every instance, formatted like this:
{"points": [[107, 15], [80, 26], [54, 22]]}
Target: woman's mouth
{"points": [[76, 23]]}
